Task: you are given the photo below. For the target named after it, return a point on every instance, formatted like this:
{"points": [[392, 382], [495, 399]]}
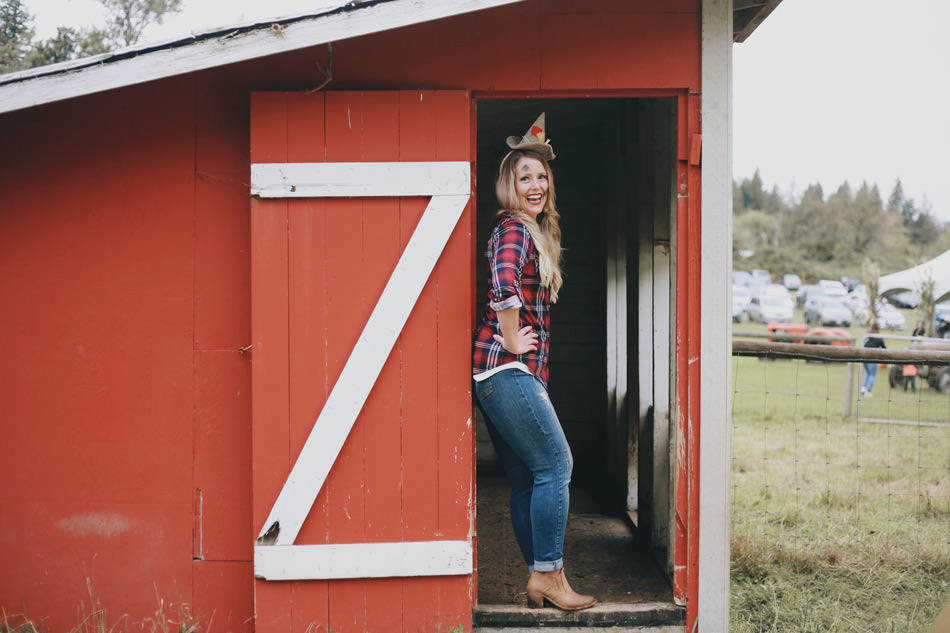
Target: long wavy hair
{"points": [[546, 231]]}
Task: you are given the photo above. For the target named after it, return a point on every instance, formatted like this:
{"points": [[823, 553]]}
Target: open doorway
{"points": [[610, 380]]}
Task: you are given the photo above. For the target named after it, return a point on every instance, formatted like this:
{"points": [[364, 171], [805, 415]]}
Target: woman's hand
{"points": [[513, 339], [522, 341]]}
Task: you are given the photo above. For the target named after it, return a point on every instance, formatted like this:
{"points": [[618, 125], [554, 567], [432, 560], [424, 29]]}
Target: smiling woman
{"points": [[510, 366]]}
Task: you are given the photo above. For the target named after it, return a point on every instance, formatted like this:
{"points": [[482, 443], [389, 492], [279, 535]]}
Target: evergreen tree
{"points": [[753, 195], [895, 202], [865, 219], [16, 35]]}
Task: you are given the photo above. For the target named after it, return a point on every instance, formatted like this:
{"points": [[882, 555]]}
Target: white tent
{"points": [[937, 269]]}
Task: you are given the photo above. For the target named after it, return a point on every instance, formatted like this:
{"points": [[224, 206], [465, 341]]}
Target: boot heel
{"points": [[535, 599]]}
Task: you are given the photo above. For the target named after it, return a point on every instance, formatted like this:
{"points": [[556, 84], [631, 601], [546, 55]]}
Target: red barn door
{"points": [[361, 325]]}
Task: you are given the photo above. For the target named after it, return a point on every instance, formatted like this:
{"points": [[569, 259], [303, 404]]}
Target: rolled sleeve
{"points": [[509, 253], [510, 303]]}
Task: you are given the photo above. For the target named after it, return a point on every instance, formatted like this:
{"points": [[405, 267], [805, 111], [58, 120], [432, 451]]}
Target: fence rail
{"points": [[835, 353]]}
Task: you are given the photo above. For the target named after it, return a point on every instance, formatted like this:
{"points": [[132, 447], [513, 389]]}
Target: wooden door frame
{"points": [[683, 253]]}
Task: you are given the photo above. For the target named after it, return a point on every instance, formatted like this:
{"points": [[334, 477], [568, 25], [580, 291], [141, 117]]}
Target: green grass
{"points": [[839, 523]]}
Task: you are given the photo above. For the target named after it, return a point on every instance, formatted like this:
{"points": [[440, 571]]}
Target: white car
{"points": [[741, 296], [889, 317], [833, 288], [828, 311], [771, 308]]}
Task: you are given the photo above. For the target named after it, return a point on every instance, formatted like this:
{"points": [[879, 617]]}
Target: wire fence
{"points": [[824, 468]]}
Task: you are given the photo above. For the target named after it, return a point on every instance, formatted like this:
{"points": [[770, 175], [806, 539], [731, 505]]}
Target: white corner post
{"points": [[716, 325]]}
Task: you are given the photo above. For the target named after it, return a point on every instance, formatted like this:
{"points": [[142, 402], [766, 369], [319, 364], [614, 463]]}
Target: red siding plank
{"points": [[419, 112], [270, 406], [420, 434], [268, 127], [345, 305], [309, 383], [224, 595], [454, 314], [382, 412], [223, 527]]}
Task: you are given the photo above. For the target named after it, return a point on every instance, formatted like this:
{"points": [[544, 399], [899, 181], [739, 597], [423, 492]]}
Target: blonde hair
{"points": [[545, 232]]}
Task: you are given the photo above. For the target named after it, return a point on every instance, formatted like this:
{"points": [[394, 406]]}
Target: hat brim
{"points": [[545, 150]]}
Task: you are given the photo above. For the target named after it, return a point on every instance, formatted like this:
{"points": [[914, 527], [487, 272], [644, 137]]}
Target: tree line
{"points": [[818, 237], [20, 49]]}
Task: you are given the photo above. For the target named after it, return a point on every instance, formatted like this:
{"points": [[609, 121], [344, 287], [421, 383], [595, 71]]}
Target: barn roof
{"points": [[227, 45]]}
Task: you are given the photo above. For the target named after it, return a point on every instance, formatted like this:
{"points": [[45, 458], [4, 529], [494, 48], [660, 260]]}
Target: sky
{"points": [[824, 91]]}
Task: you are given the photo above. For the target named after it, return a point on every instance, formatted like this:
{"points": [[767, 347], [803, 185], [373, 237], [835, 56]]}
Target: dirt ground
{"points": [[601, 555]]}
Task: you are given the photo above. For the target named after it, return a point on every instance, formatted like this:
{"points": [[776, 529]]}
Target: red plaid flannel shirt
{"points": [[515, 283]]}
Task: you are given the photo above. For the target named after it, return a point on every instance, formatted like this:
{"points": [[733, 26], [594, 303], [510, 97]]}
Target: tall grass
{"points": [[93, 617], [839, 523]]}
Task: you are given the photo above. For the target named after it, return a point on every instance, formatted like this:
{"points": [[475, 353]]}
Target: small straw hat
{"points": [[534, 139]]}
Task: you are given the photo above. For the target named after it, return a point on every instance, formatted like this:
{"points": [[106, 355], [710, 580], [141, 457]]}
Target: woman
{"points": [[920, 329], [870, 369], [510, 365]]}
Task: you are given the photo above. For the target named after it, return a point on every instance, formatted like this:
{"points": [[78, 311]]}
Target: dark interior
{"points": [[601, 170]]}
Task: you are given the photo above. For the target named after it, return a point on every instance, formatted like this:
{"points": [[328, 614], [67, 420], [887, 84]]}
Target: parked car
{"points": [[771, 307], [741, 278], [777, 289], [792, 281], [889, 317], [762, 275], [908, 300], [828, 311], [804, 292], [740, 301], [833, 288]]}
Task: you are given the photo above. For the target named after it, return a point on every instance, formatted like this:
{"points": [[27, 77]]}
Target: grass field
{"points": [[838, 523]]}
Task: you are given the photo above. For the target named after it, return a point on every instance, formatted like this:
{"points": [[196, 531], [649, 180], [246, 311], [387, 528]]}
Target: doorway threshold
{"points": [[611, 614]]}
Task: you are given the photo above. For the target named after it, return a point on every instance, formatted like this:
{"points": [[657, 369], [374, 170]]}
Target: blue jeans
{"points": [[870, 375], [530, 442]]}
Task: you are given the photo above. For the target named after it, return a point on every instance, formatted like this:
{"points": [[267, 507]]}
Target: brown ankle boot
{"points": [[553, 587]]}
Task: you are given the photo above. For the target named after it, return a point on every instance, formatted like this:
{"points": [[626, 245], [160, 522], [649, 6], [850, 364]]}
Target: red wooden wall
{"points": [[125, 294]]}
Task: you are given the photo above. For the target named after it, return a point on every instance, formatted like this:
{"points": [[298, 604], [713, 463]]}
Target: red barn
{"points": [[239, 277]]}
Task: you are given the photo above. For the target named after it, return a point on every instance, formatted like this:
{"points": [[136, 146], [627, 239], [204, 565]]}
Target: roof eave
{"points": [[747, 15], [221, 47]]}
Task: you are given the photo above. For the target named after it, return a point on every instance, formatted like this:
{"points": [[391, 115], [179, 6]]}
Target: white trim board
{"points": [[715, 382], [363, 560], [275, 544], [346, 180], [74, 79]]}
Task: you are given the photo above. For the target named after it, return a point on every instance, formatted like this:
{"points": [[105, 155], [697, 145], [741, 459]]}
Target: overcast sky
{"points": [[826, 91]]}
